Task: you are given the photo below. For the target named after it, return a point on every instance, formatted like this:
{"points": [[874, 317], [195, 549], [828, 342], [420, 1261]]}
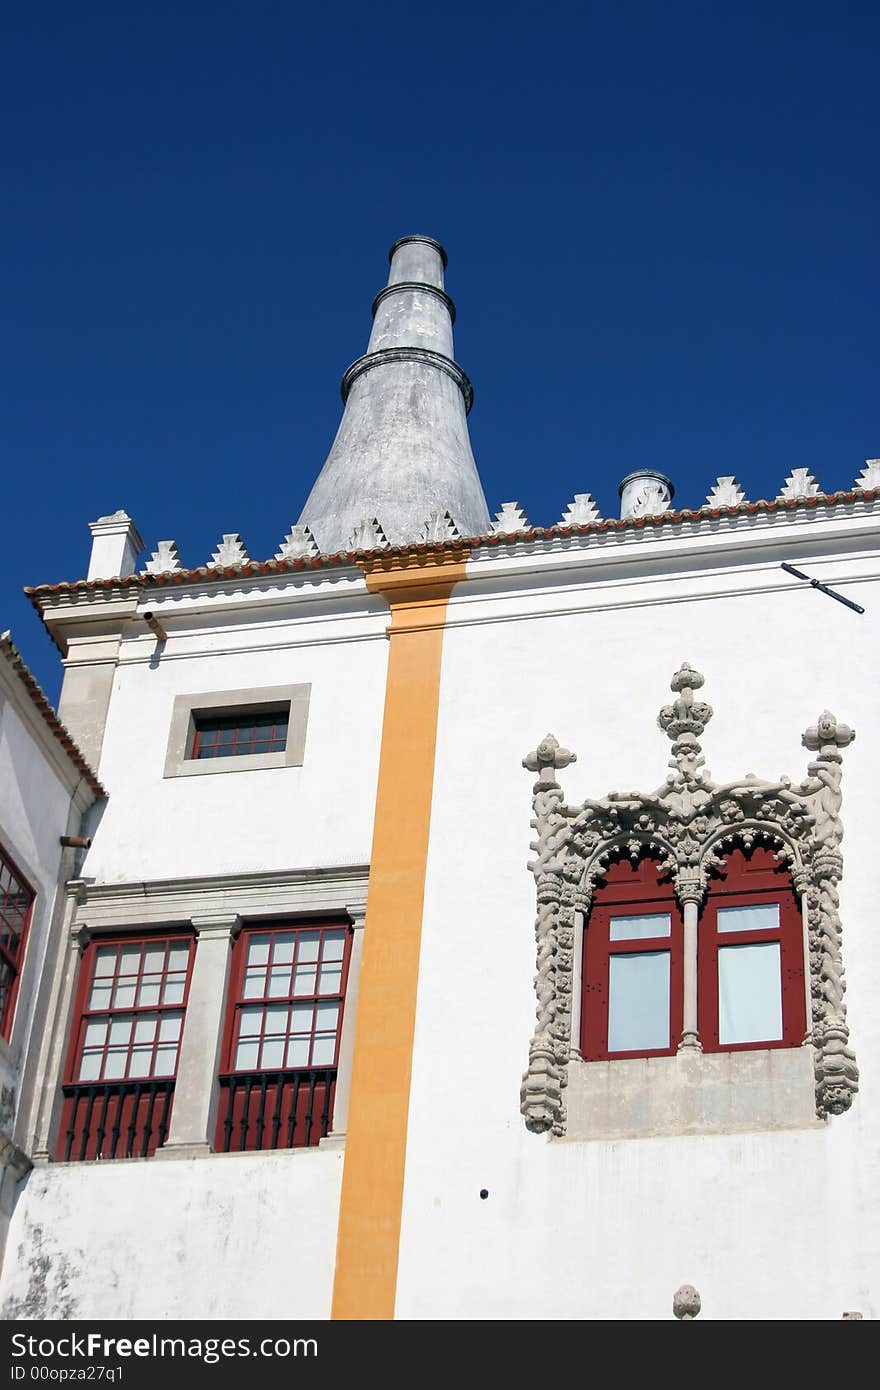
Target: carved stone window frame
{"points": [[690, 824]]}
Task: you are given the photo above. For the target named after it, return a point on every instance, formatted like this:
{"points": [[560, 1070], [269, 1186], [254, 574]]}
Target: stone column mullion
{"points": [[690, 1036], [196, 1088], [52, 1059], [346, 1039]]}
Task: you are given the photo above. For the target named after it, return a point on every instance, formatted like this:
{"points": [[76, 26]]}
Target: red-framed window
{"points": [[281, 1044], [239, 735], [16, 906], [750, 961], [632, 975], [750, 958], [128, 1021]]}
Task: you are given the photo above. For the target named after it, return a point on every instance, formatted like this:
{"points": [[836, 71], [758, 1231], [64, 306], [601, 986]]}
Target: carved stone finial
{"points": [[298, 544], [826, 732], [440, 527], [869, 478], [231, 551], [686, 1303], [368, 535], [581, 512], [726, 493], [510, 520], [799, 483], [548, 756], [165, 559], [684, 721]]}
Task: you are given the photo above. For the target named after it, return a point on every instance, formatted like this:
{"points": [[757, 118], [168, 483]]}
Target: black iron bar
{"points": [[823, 588]]}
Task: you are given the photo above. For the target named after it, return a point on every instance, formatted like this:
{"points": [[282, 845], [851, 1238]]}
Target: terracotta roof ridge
{"points": [[41, 700]]}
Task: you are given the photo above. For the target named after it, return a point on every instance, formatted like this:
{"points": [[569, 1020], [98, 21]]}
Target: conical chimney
{"points": [[402, 452]]}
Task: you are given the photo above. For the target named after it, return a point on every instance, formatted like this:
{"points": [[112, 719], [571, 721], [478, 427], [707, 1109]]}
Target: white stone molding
{"points": [[726, 492], [510, 520], [799, 483], [689, 824], [164, 560], [231, 551], [440, 527], [368, 535], [298, 544], [869, 478], [582, 511]]}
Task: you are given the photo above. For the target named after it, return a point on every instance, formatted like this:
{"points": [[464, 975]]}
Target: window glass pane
{"points": [[90, 1066], [276, 1018], [324, 1050], [331, 978], [154, 960], [304, 980], [258, 950], [99, 997], [334, 945], [173, 991], [120, 1030], [114, 1067], [123, 996], [166, 1060], [749, 993], [308, 946], [326, 1017], [301, 1018], [169, 1027], [250, 1022], [178, 958], [756, 917], [144, 1030], [105, 960], [96, 1033], [148, 994], [279, 982], [273, 1053], [648, 924], [129, 960], [246, 1056], [141, 1061], [254, 983], [638, 1002], [282, 953], [298, 1052]]}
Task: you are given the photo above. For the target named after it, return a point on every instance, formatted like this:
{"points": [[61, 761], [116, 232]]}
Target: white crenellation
{"points": [[368, 535], [869, 478], [298, 544], [726, 492], [650, 501], [231, 551], [581, 512], [799, 483], [164, 560], [510, 520], [440, 527]]}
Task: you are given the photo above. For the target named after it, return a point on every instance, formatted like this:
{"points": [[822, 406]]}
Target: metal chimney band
{"points": [[410, 354], [415, 285], [428, 240]]}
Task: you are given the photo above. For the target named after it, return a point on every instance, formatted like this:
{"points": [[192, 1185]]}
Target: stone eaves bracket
{"points": [[690, 824]]}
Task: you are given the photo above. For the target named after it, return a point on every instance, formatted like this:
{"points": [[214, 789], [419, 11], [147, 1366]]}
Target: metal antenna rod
{"points": [[823, 588]]}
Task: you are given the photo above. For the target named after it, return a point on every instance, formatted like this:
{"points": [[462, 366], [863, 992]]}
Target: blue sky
{"points": [[661, 223]]}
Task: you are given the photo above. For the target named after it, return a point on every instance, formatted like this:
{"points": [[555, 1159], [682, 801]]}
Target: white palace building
{"points": [[448, 917]]}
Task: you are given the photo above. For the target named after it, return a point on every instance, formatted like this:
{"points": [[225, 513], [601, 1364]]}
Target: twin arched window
{"points": [[750, 961]]}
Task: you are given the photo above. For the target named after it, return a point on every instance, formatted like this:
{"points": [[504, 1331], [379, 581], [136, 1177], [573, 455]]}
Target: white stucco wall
{"points": [[779, 1224], [232, 1237]]}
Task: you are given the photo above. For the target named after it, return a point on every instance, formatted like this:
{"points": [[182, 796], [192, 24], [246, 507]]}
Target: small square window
{"points": [[237, 731]]}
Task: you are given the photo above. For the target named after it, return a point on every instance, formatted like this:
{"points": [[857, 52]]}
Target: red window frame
{"points": [[262, 1104], [15, 921], [628, 890], [752, 879], [247, 729], [130, 1104]]}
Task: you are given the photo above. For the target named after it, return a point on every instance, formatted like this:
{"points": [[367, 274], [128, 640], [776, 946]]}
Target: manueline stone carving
{"points": [[689, 825], [440, 527], [368, 535], [799, 483], [298, 544], [164, 560], [581, 512], [869, 478], [231, 551], [510, 520], [726, 492]]}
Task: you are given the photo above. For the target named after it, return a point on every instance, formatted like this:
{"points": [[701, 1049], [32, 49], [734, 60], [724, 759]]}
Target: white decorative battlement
{"points": [[583, 511], [510, 520], [726, 493], [440, 527], [164, 560], [869, 478], [368, 535], [298, 544], [231, 551], [799, 483]]}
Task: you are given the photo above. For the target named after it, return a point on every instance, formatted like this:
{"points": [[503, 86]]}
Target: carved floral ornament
{"points": [[689, 824]]}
